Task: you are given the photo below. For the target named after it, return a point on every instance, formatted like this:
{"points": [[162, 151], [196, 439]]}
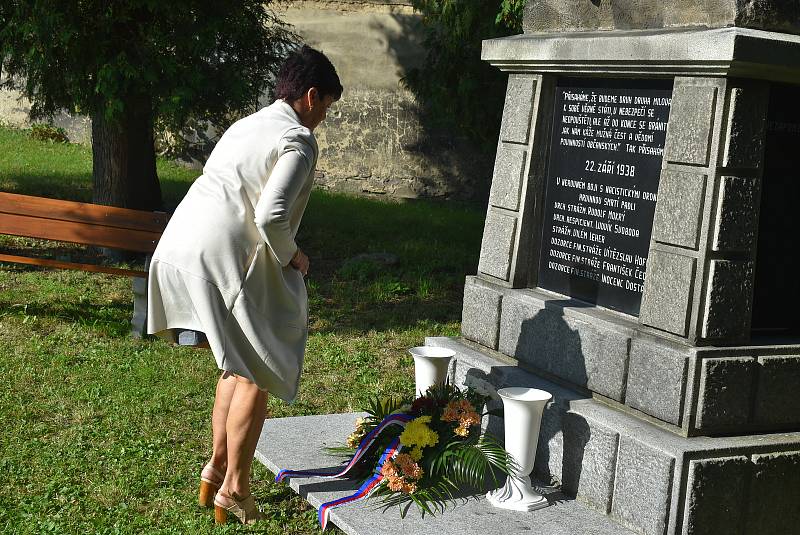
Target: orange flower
{"points": [[464, 413], [409, 488], [395, 483], [401, 473], [455, 409], [389, 470], [407, 466]]}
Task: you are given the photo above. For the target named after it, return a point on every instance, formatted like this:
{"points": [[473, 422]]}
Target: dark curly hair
{"points": [[306, 68]]}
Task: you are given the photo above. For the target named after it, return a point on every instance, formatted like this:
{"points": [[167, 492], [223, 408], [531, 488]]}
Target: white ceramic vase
{"points": [[522, 409], [430, 366]]}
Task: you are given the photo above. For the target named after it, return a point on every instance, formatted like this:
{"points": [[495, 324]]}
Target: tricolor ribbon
{"points": [[364, 490], [369, 485], [363, 446]]}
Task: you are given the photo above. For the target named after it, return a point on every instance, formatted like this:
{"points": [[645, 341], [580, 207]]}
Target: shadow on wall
{"points": [[459, 160], [404, 43], [548, 344], [383, 143], [563, 435], [377, 143]]}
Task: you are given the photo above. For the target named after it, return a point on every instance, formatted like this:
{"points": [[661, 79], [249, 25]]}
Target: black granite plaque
{"points": [[776, 288], [602, 183]]}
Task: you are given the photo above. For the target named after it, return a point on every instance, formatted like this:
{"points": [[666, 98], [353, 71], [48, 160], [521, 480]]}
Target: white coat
{"points": [[222, 264]]}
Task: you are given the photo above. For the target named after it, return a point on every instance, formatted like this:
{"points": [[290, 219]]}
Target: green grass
{"points": [[102, 433]]}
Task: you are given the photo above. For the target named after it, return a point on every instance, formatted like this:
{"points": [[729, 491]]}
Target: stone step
{"points": [[299, 442], [650, 480]]}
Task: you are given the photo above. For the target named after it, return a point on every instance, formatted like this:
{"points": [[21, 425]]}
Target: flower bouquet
{"points": [[426, 451], [441, 450]]}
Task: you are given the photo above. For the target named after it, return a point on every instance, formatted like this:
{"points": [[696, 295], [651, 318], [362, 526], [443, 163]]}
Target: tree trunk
{"points": [[124, 158]]}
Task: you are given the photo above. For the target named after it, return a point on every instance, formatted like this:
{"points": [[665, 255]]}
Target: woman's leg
{"points": [[248, 408], [219, 416]]}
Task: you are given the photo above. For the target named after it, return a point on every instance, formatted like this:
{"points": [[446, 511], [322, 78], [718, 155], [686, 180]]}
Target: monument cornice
{"points": [[725, 52]]}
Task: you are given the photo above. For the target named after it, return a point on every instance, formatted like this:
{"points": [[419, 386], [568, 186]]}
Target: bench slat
{"points": [[83, 233], [57, 209], [46, 262]]}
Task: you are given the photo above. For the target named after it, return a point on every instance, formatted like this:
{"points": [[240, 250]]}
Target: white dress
{"points": [[222, 264]]}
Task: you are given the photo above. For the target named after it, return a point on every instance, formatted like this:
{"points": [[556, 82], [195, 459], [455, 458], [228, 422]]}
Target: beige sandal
{"points": [[210, 481], [244, 509]]}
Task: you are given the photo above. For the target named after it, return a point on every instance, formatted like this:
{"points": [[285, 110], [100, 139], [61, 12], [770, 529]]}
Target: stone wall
{"points": [[14, 112], [374, 140], [373, 143]]}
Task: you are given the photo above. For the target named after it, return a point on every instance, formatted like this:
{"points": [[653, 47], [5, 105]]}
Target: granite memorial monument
{"points": [[638, 258]]}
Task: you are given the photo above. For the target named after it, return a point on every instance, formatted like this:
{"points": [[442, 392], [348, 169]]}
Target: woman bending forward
{"points": [[228, 269]]}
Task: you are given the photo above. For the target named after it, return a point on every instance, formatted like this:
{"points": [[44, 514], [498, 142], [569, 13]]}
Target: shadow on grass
{"points": [[435, 233], [109, 315], [386, 317], [434, 244], [174, 189], [65, 186]]}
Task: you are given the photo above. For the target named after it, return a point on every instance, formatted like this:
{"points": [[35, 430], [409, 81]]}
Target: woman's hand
{"points": [[300, 262]]}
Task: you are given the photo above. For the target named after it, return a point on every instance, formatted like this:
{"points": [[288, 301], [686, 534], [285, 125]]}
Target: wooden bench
{"points": [[85, 224]]}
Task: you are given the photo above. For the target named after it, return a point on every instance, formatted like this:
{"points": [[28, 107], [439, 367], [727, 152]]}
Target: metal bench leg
{"points": [[139, 319]]}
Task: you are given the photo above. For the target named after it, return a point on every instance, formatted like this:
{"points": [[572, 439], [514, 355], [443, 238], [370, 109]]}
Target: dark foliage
{"points": [[184, 63], [191, 57], [457, 89]]}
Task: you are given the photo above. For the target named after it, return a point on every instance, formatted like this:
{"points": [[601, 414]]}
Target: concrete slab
{"points": [[299, 442]]}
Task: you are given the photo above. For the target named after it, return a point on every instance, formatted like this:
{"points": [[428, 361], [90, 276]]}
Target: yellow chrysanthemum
{"points": [[415, 453], [417, 433]]}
